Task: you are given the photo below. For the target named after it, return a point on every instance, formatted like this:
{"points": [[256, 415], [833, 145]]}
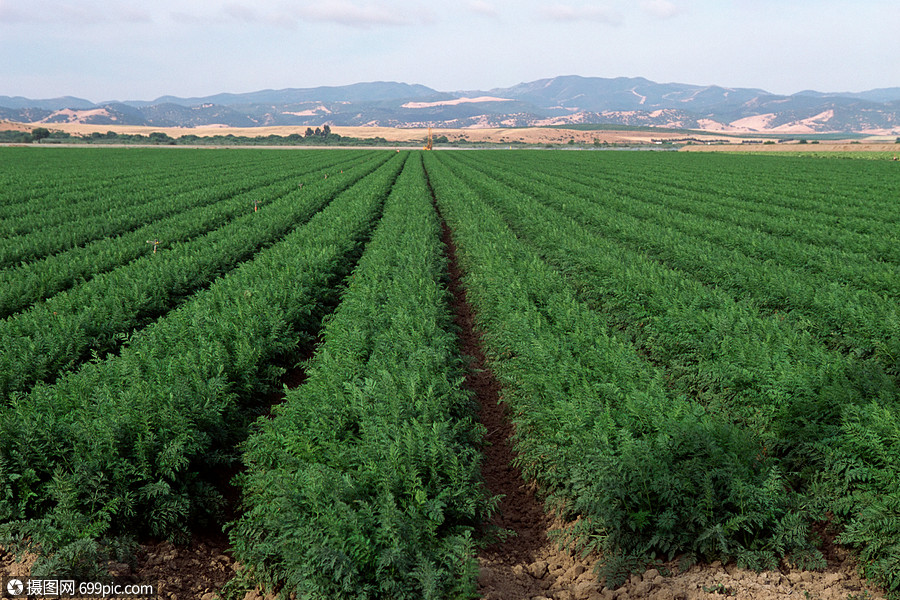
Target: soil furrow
{"points": [[523, 562]]}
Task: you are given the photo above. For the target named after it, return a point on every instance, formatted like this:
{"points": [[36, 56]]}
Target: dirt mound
{"points": [[197, 571]]}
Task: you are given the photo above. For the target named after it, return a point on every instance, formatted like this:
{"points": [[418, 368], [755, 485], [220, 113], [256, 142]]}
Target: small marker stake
{"points": [[155, 244]]}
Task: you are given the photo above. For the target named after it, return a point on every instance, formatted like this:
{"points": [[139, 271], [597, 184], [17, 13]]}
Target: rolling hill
{"points": [[555, 101]]}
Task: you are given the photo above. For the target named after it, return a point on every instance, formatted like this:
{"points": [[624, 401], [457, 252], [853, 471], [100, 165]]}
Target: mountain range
{"points": [[555, 101]]}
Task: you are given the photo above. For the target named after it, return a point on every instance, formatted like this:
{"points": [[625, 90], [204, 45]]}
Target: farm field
{"points": [[529, 135], [699, 354]]}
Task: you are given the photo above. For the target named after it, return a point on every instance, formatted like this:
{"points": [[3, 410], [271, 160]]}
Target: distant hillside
{"points": [[556, 101]]}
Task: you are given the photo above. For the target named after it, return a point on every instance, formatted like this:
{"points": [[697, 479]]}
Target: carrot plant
{"points": [[827, 416], [130, 445], [649, 472], [218, 203], [58, 334], [366, 482]]}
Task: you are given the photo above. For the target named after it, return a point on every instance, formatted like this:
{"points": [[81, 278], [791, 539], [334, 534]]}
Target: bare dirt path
{"points": [[526, 564]]}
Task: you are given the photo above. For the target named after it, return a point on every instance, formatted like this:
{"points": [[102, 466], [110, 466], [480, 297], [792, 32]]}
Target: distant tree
{"points": [[157, 137], [16, 137], [111, 135], [441, 139], [326, 131], [318, 132], [39, 133], [309, 132]]}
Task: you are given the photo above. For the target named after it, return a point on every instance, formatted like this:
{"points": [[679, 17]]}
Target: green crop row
{"points": [[117, 219], [813, 189], [646, 470], [852, 317], [829, 419], [28, 283], [134, 444], [365, 484], [43, 181], [832, 251], [739, 198], [53, 336], [72, 204], [120, 215], [863, 222]]}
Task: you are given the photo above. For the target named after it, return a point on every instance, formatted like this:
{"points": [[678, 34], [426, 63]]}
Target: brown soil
{"points": [[193, 572], [497, 135], [528, 135], [13, 126], [524, 563], [840, 146], [197, 571]]}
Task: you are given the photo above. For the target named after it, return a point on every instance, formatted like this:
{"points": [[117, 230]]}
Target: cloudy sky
{"points": [[142, 49]]}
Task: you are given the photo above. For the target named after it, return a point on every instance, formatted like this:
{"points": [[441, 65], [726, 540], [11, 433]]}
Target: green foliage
{"points": [[57, 334], [15, 137], [648, 473], [700, 352], [719, 588], [691, 296], [39, 133], [687, 489], [160, 138], [318, 137], [366, 482], [861, 475], [131, 444], [66, 553]]}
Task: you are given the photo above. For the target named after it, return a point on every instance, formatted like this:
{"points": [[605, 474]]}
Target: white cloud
{"points": [[342, 12], [241, 12], [355, 15], [8, 14], [248, 14], [75, 13], [662, 9], [566, 12], [483, 8]]}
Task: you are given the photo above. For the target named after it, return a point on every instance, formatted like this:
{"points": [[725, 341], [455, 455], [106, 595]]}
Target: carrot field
{"points": [[700, 354]]}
